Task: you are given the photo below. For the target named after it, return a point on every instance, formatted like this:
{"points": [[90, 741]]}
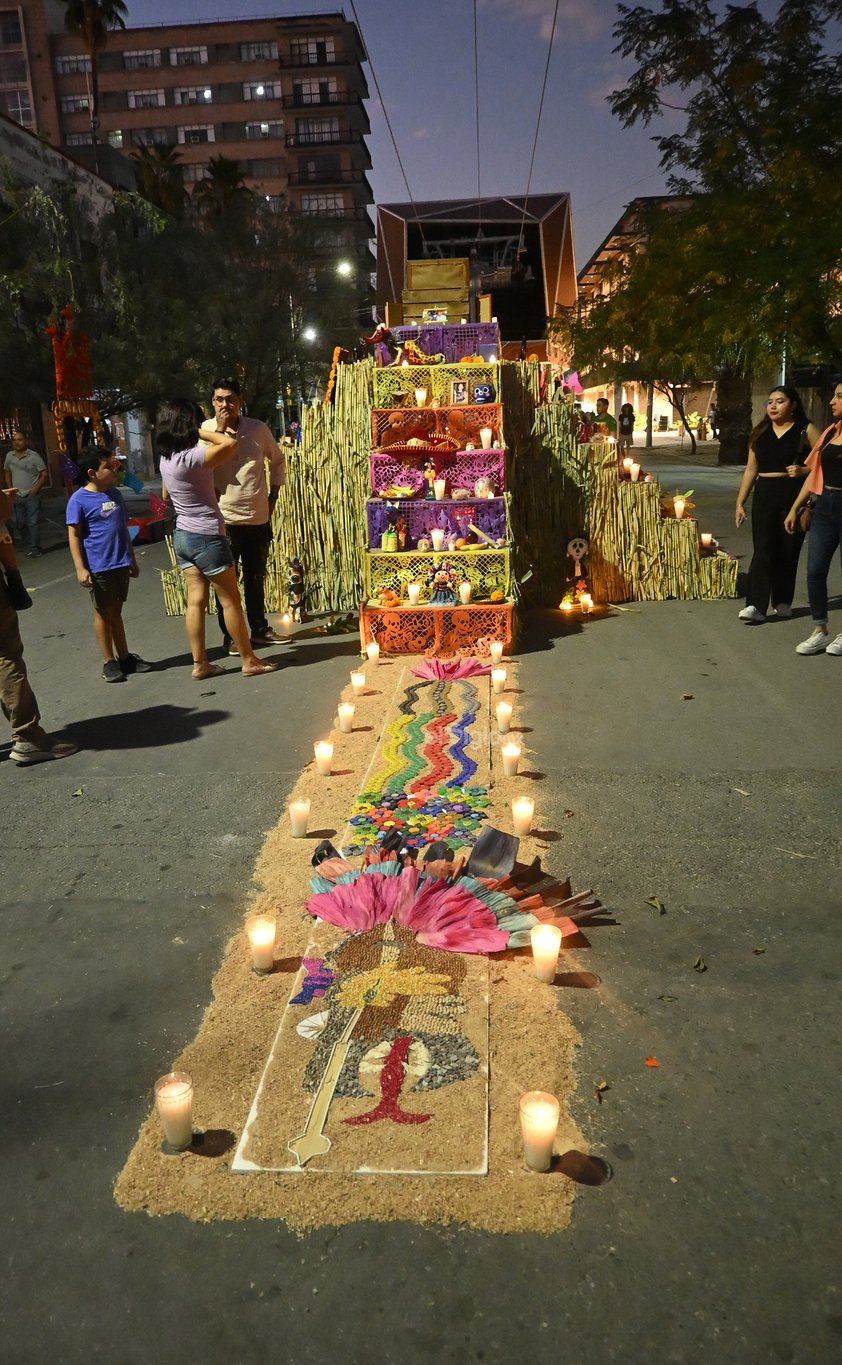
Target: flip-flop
{"points": [[214, 671], [256, 672]]}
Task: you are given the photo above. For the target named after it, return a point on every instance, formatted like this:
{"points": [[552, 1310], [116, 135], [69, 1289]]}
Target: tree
{"points": [[223, 191], [753, 265], [92, 20], [160, 177]]}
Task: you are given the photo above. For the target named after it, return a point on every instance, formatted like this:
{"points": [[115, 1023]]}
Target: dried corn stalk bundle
{"points": [[718, 574], [679, 542]]}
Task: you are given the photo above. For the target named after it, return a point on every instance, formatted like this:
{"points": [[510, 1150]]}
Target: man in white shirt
{"points": [[247, 503]]}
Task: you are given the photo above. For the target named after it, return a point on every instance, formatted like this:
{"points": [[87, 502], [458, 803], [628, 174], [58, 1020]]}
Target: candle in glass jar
{"points": [[627, 463], [678, 503], [538, 1125], [498, 681], [345, 712], [707, 539], [358, 684], [323, 750], [503, 711], [635, 472], [464, 593], [413, 592], [299, 814], [495, 649], [437, 537], [511, 754], [523, 811], [586, 603], [439, 487], [420, 397], [486, 435], [174, 1103], [261, 936], [286, 621], [566, 605], [546, 943], [373, 651]]}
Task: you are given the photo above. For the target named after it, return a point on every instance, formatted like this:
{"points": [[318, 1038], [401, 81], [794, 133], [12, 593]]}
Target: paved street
{"points": [[125, 870]]}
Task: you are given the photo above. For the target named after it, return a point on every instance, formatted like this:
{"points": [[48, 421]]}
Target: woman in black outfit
{"points": [[777, 448], [825, 483]]}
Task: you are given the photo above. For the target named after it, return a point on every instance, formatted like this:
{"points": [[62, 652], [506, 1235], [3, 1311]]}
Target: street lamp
{"points": [[344, 268], [309, 334]]}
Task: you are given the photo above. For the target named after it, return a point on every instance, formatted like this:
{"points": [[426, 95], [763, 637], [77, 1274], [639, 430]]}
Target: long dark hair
{"points": [[799, 416], [178, 425]]}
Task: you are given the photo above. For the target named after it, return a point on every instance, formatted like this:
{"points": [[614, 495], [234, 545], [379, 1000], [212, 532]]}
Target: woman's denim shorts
{"points": [[211, 555]]}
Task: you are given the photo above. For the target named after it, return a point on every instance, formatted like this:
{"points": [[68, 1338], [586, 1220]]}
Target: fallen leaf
{"points": [[80, 791], [652, 1061], [656, 904], [178, 939], [792, 853], [700, 964], [599, 1088], [758, 951], [687, 696], [668, 999], [740, 791], [207, 694]]}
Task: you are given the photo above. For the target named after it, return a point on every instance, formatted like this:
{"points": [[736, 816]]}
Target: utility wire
{"points": [[538, 124], [476, 89]]}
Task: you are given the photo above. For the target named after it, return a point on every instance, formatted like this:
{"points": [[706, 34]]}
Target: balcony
{"points": [[327, 177], [314, 138], [355, 215], [307, 60], [320, 100]]}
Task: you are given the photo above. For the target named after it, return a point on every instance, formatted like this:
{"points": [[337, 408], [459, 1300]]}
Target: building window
{"points": [[270, 167], [317, 130], [142, 61], [193, 171], [10, 29], [115, 137], [13, 69], [258, 52], [197, 132], [146, 99], [78, 140], [74, 104], [188, 56], [311, 90], [149, 137], [16, 104], [331, 205], [272, 128], [313, 51], [262, 90], [193, 94], [72, 66]]}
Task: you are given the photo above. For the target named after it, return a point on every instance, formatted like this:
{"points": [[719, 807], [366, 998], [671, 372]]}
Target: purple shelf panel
{"points": [[453, 516], [452, 339], [461, 468]]}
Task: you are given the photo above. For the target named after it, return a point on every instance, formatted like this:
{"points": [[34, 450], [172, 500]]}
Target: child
{"points": [[625, 431], [18, 596], [104, 557]]}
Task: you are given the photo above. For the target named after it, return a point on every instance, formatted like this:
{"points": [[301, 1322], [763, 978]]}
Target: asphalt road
{"points": [[716, 1239]]}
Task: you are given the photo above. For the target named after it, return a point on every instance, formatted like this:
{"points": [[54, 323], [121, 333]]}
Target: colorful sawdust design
{"points": [[450, 813]]}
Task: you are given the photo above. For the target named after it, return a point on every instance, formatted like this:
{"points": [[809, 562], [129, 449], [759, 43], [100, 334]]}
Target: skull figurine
{"points": [[577, 548]]}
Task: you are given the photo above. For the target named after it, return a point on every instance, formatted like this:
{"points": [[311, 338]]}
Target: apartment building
{"points": [[284, 97]]}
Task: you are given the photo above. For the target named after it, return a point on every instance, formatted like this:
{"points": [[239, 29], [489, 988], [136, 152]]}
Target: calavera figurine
{"points": [[483, 393], [296, 591], [577, 548]]}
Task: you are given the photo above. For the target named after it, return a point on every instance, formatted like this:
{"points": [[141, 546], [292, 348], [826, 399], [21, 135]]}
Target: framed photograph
{"points": [[459, 392], [434, 315]]}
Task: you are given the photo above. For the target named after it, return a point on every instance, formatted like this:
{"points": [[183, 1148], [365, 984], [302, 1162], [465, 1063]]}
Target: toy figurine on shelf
{"points": [[430, 480], [577, 548], [401, 530], [442, 582], [296, 591]]}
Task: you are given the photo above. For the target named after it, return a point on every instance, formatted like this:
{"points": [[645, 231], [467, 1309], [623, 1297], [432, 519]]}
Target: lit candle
{"points": [[486, 435], [358, 684], [546, 942], [299, 814], [707, 539], [495, 649], [373, 651], [538, 1125], [627, 463], [413, 592], [678, 503], [439, 487], [286, 621], [323, 750], [174, 1103], [587, 603], [437, 537], [498, 681], [345, 712], [566, 605], [503, 711], [635, 472], [523, 810], [420, 397], [492, 359], [464, 593], [511, 754], [261, 937]]}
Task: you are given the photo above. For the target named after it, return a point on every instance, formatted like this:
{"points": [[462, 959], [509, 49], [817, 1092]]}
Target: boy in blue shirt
{"points": [[103, 556]]}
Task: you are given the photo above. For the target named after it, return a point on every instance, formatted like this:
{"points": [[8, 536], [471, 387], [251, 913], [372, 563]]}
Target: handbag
{"points": [[803, 517]]}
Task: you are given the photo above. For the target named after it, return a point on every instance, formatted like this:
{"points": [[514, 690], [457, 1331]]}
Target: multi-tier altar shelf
{"points": [[439, 502]]}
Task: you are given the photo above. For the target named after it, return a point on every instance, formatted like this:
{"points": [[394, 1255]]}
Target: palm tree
{"points": [[92, 20], [223, 189], [160, 177]]}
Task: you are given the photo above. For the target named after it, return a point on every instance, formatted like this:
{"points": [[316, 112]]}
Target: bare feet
{"points": [[206, 670], [252, 669]]}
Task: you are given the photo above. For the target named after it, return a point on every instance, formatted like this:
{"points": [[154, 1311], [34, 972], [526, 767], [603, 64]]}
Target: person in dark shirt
{"points": [[825, 482]]}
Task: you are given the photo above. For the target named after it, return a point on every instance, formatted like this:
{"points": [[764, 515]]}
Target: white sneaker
{"points": [[784, 610], [752, 616], [817, 644], [835, 647]]}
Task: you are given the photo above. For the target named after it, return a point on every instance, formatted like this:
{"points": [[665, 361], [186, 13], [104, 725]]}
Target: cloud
{"points": [[579, 21], [420, 133]]}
